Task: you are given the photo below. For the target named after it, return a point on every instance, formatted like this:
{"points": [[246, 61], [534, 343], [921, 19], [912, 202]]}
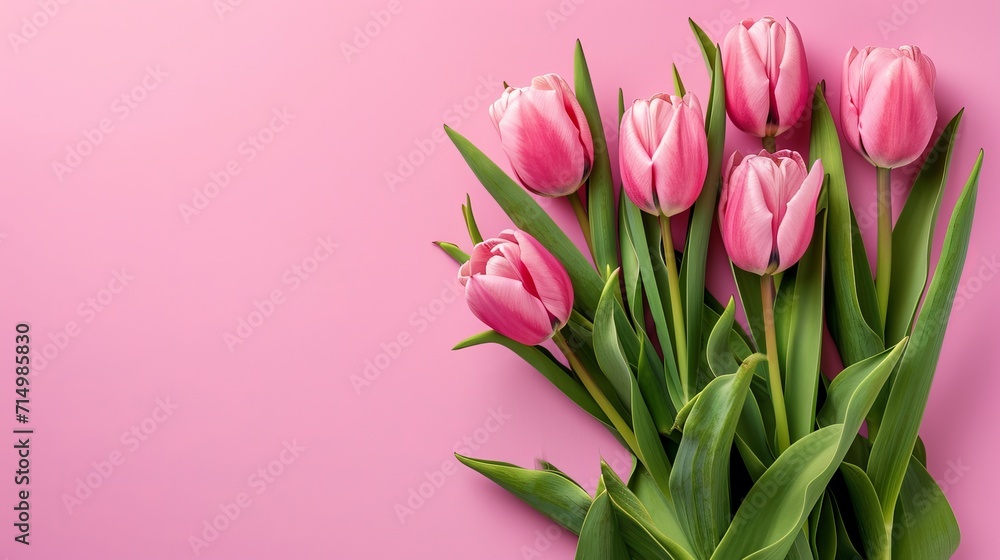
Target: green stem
{"points": [[588, 382], [883, 272], [579, 318], [774, 368], [581, 216], [675, 305], [770, 144]]}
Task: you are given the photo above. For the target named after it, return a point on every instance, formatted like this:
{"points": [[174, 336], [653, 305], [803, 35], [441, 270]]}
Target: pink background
{"points": [[360, 452]]}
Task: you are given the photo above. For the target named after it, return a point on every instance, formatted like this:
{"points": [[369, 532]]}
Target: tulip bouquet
{"points": [[743, 447]]}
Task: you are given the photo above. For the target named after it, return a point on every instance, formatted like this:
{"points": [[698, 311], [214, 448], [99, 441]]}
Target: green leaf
{"points": [[774, 511], [699, 483], [630, 266], [805, 335], [470, 221], [615, 344], [600, 189], [529, 216], [678, 83], [868, 512], [912, 383], [550, 493], [748, 289], [653, 387], [600, 538], [651, 452], [824, 531], [453, 251], [659, 505], [915, 228], [929, 530], [855, 337], [845, 546], [703, 214], [540, 359], [645, 541], [721, 358]]}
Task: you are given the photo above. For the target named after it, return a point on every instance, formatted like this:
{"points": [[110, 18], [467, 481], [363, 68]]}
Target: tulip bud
{"points": [[767, 209], [887, 104], [767, 79], [517, 287], [663, 153], [544, 133]]}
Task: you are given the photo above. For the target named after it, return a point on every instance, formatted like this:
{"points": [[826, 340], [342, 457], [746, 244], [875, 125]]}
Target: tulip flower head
{"points": [[767, 79], [767, 209], [887, 104], [517, 287], [663, 153], [544, 133]]}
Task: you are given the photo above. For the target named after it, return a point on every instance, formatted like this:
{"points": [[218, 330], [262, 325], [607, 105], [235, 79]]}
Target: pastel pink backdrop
{"points": [[363, 450]]}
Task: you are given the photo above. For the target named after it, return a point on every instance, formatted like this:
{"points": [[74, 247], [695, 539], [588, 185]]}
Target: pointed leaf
{"points": [[600, 538]]}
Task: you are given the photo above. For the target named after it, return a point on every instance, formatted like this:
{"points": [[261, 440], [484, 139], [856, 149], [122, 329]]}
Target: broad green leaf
{"points": [[453, 251], [912, 383], [928, 529], [721, 358], [550, 493], [529, 216], [823, 527], [868, 512], [855, 338], [646, 254], [699, 483], [653, 387], [645, 541], [600, 186], [845, 546], [774, 511], [805, 335], [800, 548], [651, 452], [692, 272], [547, 466], [470, 221], [540, 359], [615, 344], [600, 538], [630, 266], [659, 505], [914, 229], [748, 289]]}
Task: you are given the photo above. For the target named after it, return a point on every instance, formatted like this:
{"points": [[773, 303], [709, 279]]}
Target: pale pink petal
{"points": [[634, 157], [543, 144], [746, 221], [680, 162], [850, 99], [898, 115], [506, 307], [791, 85], [747, 86], [551, 282], [796, 230]]}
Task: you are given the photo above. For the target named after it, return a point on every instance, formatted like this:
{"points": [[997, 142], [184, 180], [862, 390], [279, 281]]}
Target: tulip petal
{"points": [[551, 282], [791, 84], [796, 229], [898, 115], [680, 161], [634, 159], [746, 222], [850, 99], [506, 307], [747, 86], [543, 143]]}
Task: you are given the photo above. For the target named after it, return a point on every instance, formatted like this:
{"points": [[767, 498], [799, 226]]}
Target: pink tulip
{"points": [[517, 287], [545, 135], [887, 104], [767, 209], [767, 80], [663, 153]]}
